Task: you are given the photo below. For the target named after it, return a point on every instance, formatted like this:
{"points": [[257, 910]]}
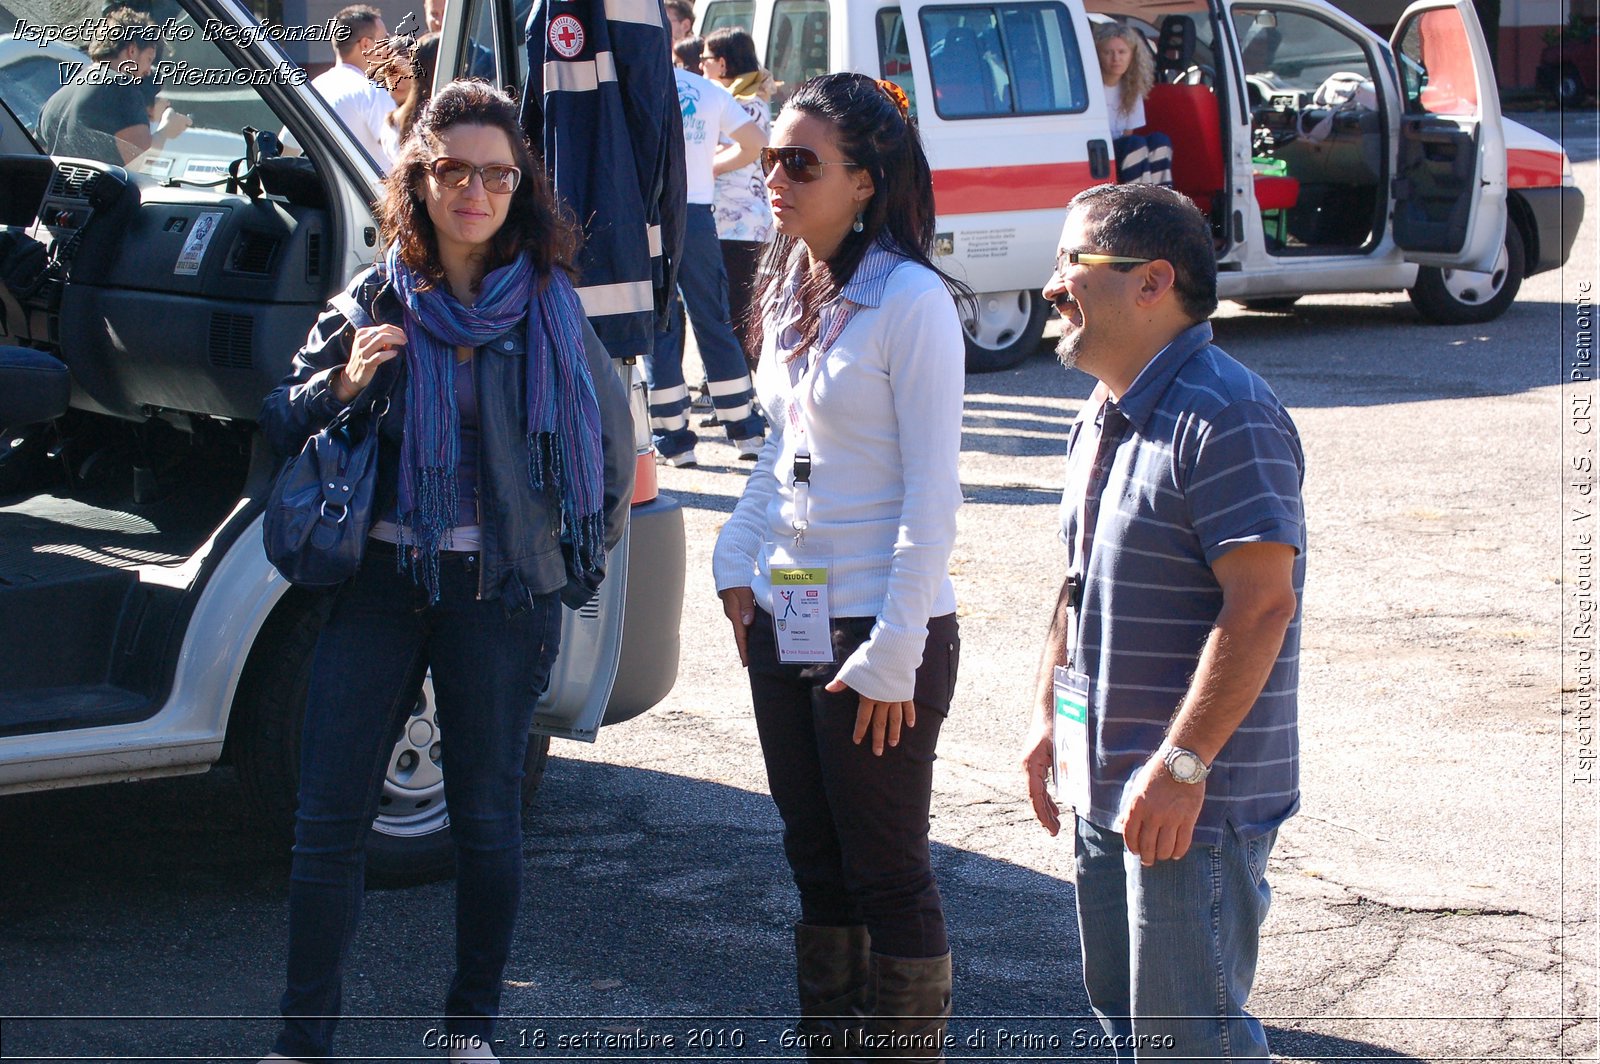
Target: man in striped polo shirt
{"points": [[1166, 703]]}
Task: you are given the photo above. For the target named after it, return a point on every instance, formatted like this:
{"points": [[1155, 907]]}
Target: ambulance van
{"points": [[1327, 159]]}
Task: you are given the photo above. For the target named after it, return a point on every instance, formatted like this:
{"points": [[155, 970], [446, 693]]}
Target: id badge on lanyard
{"points": [[1073, 750], [1071, 763], [800, 617], [799, 570]]}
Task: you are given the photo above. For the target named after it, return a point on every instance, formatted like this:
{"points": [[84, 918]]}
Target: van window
{"points": [[797, 44], [1436, 64], [728, 13], [1004, 59], [1290, 51], [894, 54]]}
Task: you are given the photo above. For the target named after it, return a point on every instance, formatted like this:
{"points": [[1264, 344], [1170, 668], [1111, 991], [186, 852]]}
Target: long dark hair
{"points": [[873, 134], [534, 223]]}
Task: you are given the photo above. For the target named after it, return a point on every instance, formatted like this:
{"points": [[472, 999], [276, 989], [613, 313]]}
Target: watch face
{"points": [[1184, 766]]}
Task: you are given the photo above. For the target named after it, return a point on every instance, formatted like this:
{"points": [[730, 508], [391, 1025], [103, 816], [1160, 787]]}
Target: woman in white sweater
{"points": [[833, 569]]}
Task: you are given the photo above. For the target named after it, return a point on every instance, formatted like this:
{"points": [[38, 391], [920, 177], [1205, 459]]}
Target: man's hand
{"points": [[739, 605], [170, 125], [1158, 821], [1038, 751], [883, 719]]}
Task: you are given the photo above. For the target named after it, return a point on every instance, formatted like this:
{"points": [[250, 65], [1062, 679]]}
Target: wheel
{"points": [[1271, 303], [1003, 329], [1569, 87], [1466, 297], [410, 837]]}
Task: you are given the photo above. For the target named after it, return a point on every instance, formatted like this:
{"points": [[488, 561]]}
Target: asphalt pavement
{"points": [[1435, 900]]}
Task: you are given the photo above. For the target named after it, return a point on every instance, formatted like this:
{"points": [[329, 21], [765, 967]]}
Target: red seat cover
{"points": [[1187, 114], [1277, 193]]}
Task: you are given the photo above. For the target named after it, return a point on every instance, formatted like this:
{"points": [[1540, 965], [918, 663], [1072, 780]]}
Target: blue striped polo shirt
{"points": [[1197, 458]]}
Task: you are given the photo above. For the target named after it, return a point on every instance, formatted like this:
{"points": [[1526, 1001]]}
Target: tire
{"points": [[1003, 329], [1277, 304], [410, 839], [1569, 87], [1465, 297]]}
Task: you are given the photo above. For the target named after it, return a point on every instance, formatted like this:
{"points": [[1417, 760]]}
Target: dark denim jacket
{"points": [[523, 553]]}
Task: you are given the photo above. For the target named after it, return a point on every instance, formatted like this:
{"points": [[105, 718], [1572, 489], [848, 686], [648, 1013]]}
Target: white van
{"points": [[1412, 182]]}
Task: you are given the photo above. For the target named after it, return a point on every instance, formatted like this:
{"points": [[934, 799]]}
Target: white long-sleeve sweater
{"points": [[881, 417]]}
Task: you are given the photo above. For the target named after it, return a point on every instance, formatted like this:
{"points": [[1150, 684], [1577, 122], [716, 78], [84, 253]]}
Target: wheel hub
{"points": [[412, 802], [1472, 287], [1001, 317]]}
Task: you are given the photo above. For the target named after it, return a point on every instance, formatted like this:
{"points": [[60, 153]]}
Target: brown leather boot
{"points": [[908, 1006], [831, 974]]}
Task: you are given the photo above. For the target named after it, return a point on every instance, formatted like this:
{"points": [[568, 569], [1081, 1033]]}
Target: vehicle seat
{"points": [[1174, 46], [1277, 193], [1187, 114], [34, 387], [962, 82]]}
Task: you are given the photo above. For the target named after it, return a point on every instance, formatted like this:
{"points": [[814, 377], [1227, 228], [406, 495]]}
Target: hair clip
{"points": [[897, 96]]}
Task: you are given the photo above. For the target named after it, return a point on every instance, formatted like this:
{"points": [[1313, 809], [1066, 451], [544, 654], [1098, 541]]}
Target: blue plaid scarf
{"points": [[564, 451]]}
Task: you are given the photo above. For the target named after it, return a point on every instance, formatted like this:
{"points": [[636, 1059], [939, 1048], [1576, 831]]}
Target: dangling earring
{"points": [[860, 225]]}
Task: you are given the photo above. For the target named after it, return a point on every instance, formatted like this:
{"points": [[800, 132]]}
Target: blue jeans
{"points": [[1169, 952], [703, 282], [489, 668]]}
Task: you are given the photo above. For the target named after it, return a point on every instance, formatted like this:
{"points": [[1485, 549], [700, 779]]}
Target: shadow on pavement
{"points": [[652, 901]]}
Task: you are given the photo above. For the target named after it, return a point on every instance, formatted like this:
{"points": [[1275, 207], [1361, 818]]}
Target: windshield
{"points": [[140, 83]]}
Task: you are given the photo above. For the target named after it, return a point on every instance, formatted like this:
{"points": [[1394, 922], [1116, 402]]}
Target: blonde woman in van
{"points": [[1128, 71], [833, 569]]}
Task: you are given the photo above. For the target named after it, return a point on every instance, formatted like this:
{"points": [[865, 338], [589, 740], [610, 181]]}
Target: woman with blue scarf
{"points": [[504, 475]]}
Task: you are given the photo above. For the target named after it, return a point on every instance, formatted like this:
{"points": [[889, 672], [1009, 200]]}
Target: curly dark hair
{"points": [[535, 222]]}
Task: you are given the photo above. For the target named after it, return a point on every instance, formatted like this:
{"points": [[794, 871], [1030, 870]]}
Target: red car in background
{"points": [[1567, 70]]}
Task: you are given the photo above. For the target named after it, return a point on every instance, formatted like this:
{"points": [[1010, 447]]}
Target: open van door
{"points": [[1450, 173]]}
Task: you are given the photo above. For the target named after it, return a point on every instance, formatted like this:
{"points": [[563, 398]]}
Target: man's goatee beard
{"points": [[1067, 352]]}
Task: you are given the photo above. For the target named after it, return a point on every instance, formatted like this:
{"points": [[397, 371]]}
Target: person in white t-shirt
{"points": [[1128, 71], [360, 104], [744, 220], [710, 113]]}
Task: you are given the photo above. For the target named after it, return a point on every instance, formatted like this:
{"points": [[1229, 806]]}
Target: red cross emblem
{"points": [[566, 36]]}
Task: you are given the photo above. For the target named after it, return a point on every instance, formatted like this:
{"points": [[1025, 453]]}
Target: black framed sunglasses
{"points": [[1092, 258], [800, 165], [498, 178]]}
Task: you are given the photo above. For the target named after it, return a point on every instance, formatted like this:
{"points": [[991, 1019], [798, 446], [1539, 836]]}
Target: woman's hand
{"points": [[885, 719], [374, 345], [739, 604]]}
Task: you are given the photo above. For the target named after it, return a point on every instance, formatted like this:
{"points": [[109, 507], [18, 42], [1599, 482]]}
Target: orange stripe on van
{"points": [[1529, 168], [989, 189]]}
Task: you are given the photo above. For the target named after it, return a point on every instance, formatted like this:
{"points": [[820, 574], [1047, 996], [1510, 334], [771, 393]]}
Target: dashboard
{"points": [[162, 297]]}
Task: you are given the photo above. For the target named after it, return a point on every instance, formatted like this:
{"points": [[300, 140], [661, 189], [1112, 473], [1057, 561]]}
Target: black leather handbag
{"points": [[320, 510], [319, 513]]}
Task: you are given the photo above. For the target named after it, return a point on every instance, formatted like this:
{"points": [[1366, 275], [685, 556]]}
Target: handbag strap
{"points": [[354, 309]]}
